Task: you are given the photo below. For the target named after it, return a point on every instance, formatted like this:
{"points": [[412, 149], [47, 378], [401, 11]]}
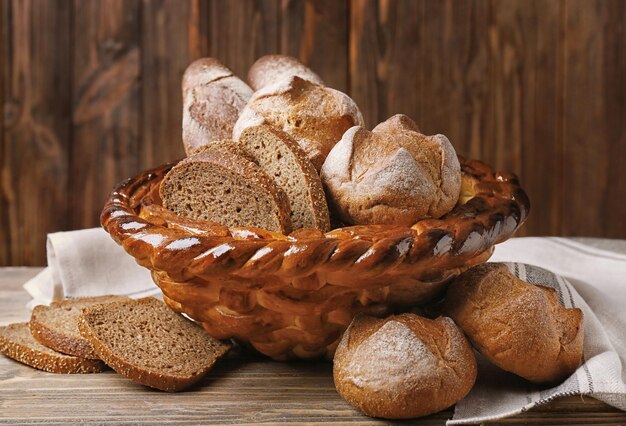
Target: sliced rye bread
{"points": [[17, 342], [56, 326], [217, 184], [150, 344], [282, 159]]}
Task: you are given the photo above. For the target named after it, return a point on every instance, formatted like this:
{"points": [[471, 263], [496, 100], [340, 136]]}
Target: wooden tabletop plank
{"points": [[242, 389]]}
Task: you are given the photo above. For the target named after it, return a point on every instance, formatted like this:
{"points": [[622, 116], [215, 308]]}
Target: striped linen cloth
{"points": [[588, 274]]}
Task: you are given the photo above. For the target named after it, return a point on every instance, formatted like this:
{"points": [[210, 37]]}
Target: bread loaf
{"points": [[213, 98], [403, 366], [218, 185], [269, 69], [150, 344], [520, 327], [313, 115], [56, 326], [391, 175], [283, 160]]}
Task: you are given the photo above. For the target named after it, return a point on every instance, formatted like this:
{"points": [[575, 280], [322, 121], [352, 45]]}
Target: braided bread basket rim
{"points": [[496, 209]]}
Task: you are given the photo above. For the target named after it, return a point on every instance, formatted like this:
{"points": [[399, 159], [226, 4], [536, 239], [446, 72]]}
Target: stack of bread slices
{"points": [[130, 336], [276, 152]]}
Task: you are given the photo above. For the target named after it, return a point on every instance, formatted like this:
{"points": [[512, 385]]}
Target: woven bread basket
{"points": [[293, 296]]}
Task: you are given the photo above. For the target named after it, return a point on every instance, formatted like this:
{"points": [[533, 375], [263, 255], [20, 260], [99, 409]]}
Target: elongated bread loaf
{"points": [[218, 185], [269, 69], [213, 98]]}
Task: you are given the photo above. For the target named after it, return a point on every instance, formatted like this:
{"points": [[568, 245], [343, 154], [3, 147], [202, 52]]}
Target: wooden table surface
{"points": [[240, 390]]}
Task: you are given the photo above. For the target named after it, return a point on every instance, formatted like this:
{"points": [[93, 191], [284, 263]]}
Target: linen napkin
{"points": [[88, 263], [586, 277]]}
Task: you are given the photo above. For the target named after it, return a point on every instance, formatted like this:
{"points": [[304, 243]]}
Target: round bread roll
{"points": [[403, 366], [269, 69], [213, 98], [391, 175], [313, 115], [520, 327]]}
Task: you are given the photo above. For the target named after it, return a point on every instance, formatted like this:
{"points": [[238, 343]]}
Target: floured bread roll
{"points": [[518, 326], [269, 69], [391, 175], [213, 97], [403, 366], [313, 115]]}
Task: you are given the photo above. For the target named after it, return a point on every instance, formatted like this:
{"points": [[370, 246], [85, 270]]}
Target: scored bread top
{"points": [[283, 160], [17, 342], [313, 115], [271, 68], [403, 366], [391, 175], [149, 343], [213, 98], [56, 326], [218, 185]]}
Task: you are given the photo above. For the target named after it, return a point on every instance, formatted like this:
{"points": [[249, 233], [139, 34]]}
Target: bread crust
{"points": [[391, 175], [520, 327], [314, 189], [213, 98], [156, 379], [34, 354], [270, 68], [227, 159], [313, 115], [403, 366], [58, 340]]}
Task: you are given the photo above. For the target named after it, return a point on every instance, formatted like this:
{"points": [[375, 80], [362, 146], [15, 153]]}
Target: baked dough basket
{"points": [[293, 296]]}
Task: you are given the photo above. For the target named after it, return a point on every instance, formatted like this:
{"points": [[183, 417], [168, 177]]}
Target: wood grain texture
{"points": [[455, 87], [309, 28], [5, 240], [240, 390], [170, 32], [593, 135], [35, 126], [385, 54], [241, 31], [90, 93], [524, 44], [106, 70]]}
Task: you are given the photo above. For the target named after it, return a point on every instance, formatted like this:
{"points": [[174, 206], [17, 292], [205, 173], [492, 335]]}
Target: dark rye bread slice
{"points": [[282, 158], [17, 342], [217, 184], [56, 326], [150, 344]]}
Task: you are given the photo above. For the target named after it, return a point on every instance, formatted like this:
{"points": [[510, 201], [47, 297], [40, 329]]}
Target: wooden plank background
{"points": [[90, 93]]}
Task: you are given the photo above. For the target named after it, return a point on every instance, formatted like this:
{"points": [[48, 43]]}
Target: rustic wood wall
{"points": [[90, 93]]}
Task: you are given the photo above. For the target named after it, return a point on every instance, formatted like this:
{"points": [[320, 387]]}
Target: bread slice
{"points": [[17, 342], [56, 326], [218, 185], [282, 158], [149, 343]]}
